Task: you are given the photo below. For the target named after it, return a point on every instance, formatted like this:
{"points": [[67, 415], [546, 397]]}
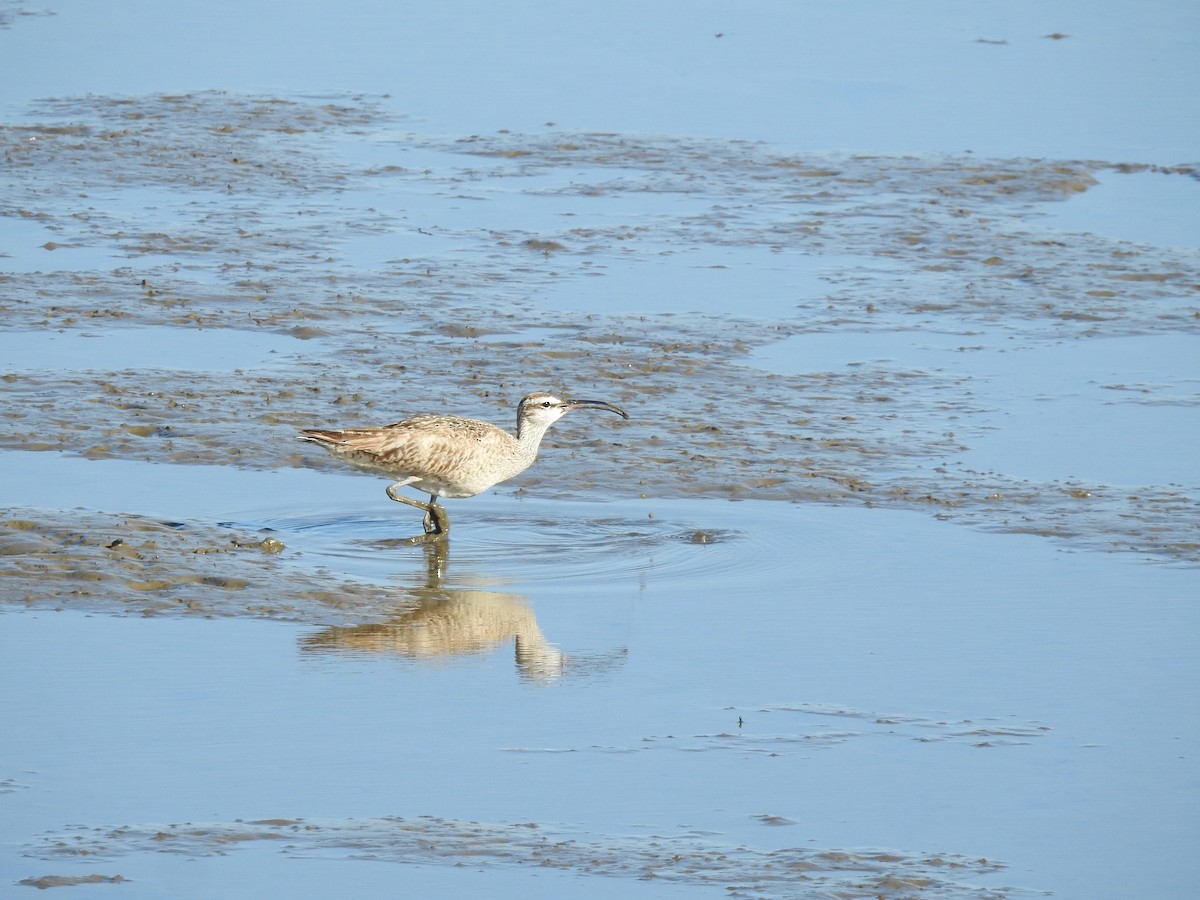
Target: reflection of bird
{"points": [[448, 456], [453, 623], [438, 621]]}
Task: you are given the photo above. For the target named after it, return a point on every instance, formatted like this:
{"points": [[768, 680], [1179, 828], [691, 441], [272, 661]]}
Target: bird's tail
{"points": [[321, 436]]}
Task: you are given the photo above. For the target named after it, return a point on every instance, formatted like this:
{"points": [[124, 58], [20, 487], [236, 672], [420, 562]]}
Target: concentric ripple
{"points": [[556, 544]]}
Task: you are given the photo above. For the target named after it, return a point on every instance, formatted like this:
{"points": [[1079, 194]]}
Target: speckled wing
{"points": [[446, 455]]}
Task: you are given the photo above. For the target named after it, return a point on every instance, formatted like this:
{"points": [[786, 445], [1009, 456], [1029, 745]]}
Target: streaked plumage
{"points": [[449, 456]]}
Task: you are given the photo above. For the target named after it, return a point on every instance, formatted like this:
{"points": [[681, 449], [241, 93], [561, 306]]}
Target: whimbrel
{"points": [[449, 456]]}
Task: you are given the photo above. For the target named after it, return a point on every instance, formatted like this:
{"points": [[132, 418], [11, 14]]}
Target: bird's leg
{"points": [[412, 501], [437, 520]]}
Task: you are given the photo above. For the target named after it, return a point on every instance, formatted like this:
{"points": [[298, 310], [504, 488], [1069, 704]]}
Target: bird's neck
{"points": [[529, 437]]}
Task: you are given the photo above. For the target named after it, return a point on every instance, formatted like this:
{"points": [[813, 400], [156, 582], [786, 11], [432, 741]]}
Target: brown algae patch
{"points": [[674, 859], [258, 213]]}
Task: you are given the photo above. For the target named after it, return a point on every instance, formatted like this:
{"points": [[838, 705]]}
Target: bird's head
{"points": [[541, 410]]}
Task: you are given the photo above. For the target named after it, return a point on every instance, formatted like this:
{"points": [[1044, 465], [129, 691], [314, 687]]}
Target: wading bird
{"points": [[449, 456]]}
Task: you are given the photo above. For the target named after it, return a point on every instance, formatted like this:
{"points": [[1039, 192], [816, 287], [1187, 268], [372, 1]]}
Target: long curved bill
{"points": [[569, 405]]}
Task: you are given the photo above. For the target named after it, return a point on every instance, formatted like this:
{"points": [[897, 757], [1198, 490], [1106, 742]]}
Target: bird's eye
{"points": [[545, 404]]}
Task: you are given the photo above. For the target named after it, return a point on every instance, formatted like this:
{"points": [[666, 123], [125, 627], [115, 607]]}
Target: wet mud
{"points": [[50, 881], [684, 859], [142, 566], [203, 274], [407, 273]]}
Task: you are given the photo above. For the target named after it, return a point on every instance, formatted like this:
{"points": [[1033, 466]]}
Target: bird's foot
{"points": [[437, 520]]}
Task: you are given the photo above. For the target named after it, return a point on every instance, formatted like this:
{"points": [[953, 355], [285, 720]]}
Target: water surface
{"points": [[887, 587]]}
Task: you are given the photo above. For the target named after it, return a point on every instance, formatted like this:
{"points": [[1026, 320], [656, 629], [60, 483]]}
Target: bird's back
{"points": [[448, 456]]}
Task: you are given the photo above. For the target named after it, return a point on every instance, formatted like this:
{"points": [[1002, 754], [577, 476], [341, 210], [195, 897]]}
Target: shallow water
{"points": [[888, 680], [887, 587], [110, 349], [1119, 410]]}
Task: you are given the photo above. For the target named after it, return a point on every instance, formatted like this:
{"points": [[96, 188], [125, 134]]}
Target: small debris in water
{"points": [[768, 819], [266, 545]]}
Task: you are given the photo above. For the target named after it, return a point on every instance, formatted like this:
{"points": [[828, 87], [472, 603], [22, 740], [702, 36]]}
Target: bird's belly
{"points": [[453, 491], [458, 485], [468, 472]]}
